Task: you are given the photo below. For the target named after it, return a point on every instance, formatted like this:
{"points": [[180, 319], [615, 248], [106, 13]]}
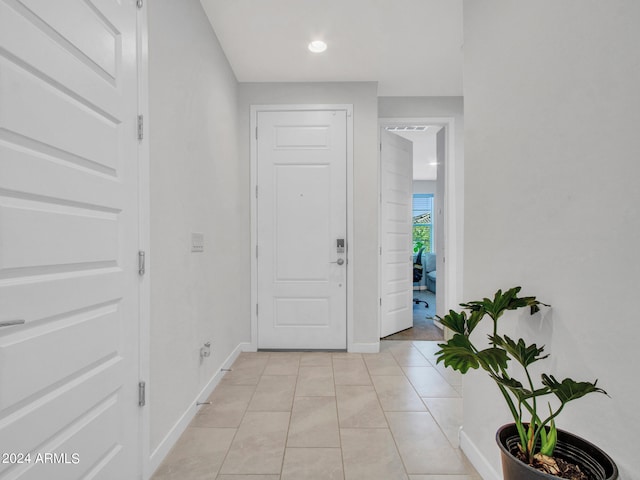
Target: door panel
{"points": [[301, 213], [69, 238], [397, 278]]}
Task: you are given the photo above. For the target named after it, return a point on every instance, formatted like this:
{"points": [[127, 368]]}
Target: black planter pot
{"points": [[571, 448]]}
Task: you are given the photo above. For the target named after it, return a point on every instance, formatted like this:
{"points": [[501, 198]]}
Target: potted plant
{"points": [[532, 447]]}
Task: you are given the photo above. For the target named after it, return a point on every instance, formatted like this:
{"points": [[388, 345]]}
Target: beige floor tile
{"points": [[247, 477], [258, 447], [382, 364], [428, 382], [228, 404], [334, 418], [444, 477], [423, 447], [350, 371], [390, 346], [315, 359], [428, 349], [447, 412], [274, 393], [246, 370], [314, 423], [315, 382], [358, 407], [370, 454], [397, 394], [346, 355], [312, 464], [282, 364], [197, 455], [387, 345], [452, 377], [410, 357]]}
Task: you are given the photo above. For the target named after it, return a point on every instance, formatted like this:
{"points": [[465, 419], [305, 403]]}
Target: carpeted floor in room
{"points": [[423, 327]]}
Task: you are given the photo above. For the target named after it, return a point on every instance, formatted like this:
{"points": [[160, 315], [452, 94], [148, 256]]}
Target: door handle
{"points": [[10, 323], [340, 261]]}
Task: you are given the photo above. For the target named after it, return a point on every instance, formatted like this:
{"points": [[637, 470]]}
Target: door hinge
{"points": [[256, 251], [380, 146], [139, 3], [142, 387], [256, 133], [256, 191], [380, 250], [256, 309], [380, 301], [141, 262], [140, 127]]}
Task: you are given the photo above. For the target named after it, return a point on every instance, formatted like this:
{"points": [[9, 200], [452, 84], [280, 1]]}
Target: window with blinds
{"points": [[422, 221]]}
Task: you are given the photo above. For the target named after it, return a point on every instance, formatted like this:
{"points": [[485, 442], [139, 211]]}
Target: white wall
{"points": [[552, 115], [197, 185], [365, 178]]}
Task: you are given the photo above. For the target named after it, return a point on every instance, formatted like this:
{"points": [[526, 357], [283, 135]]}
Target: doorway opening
{"points": [[417, 291]]}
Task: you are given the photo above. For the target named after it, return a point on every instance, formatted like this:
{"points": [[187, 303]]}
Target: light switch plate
{"points": [[197, 242]]}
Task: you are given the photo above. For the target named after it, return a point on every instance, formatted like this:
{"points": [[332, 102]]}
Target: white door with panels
{"points": [[396, 237], [301, 229], [69, 285]]}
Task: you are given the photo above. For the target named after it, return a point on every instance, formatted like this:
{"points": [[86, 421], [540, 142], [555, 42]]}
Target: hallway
{"points": [[328, 416]]}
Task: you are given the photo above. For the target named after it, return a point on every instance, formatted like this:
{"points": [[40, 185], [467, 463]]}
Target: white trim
{"points": [[453, 208], [479, 462], [254, 208], [144, 235], [181, 425]]}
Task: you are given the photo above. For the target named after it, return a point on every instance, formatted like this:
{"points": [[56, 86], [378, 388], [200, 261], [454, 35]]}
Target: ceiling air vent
{"points": [[407, 128]]}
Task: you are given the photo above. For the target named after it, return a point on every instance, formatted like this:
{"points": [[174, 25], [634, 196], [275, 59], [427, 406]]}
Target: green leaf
{"points": [[456, 321], [458, 353], [493, 359], [524, 354], [569, 389], [501, 302]]}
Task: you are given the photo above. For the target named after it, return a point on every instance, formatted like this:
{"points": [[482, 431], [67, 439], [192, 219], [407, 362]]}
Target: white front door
{"points": [[68, 240], [301, 229], [396, 237]]}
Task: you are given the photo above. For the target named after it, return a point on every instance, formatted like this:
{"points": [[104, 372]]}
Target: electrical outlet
{"points": [[197, 242]]}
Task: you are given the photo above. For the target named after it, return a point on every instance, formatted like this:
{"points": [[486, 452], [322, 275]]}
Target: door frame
{"points": [[452, 204], [255, 109], [144, 240]]}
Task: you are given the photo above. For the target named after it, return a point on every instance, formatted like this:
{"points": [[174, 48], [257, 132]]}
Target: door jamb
{"points": [[254, 209], [452, 207], [144, 237]]}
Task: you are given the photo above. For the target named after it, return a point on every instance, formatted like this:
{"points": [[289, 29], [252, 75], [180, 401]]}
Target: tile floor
{"points": [[393, 415]]}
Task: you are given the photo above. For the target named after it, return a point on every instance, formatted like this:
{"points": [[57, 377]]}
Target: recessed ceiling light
{"points": [[317, 46]]}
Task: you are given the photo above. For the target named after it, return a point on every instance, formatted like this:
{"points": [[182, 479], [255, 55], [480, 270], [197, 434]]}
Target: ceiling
{"points": [[410, 47]]}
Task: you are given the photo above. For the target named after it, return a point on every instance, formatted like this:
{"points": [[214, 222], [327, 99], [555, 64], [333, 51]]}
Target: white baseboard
{"points": [[159, 454], [364, 347], [479, 462]]}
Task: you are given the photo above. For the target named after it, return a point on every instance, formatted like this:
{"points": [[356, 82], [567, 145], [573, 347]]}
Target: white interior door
{"points": [[68, 240], [301, 219], [396, 158]]}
